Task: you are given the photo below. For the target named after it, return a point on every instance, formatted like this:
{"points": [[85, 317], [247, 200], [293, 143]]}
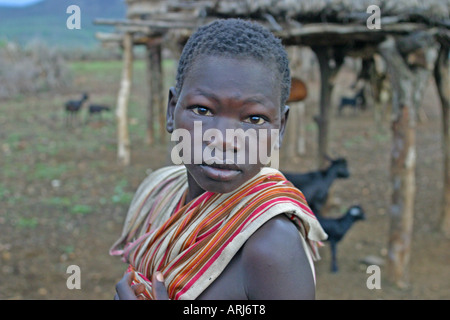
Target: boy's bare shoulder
{"points": [[272, 240], [275, 263]]}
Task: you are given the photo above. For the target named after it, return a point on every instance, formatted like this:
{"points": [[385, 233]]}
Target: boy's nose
{"points": [[221, 140], [222, 136]]}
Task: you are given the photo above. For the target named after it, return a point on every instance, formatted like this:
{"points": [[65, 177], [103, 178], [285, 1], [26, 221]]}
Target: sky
{"points": [[17, 3]]}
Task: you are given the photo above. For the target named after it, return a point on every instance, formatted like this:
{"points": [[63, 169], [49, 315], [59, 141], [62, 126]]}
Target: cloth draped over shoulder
{"points": [[192, 243]]}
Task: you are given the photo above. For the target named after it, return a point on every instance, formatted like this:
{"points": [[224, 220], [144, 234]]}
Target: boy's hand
{"points": [[126, 291]]}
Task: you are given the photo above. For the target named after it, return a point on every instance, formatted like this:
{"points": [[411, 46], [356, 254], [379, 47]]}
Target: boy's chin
{"points": [[218, 186], [217, 181]]}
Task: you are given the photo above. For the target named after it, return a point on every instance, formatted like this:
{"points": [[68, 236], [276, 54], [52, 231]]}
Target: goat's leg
{"points": [[68, 117], [340, 107], [87, 118], [334, 266]]}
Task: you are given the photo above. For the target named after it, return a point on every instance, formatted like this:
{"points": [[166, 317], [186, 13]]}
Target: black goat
{"points": [[358, 101], [336, 228], [72, 107], [98, 109], [315, 184]]}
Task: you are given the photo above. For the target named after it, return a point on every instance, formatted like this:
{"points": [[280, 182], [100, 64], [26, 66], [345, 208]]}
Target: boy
{"points": [[225, 229]]}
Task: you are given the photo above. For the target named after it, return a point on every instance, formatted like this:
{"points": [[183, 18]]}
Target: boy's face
{"points": [[226, 94]]}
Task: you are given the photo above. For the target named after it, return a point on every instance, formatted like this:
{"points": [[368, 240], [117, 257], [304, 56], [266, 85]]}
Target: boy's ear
{"points": [[284, 118], [171, 104]]}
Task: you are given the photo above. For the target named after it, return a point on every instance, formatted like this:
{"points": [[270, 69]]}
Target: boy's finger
{"points": [[159, 287], [123, 287], [139, 290]]}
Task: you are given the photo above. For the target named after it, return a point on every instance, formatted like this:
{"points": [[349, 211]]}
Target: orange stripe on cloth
{"points": [[192, 244]]}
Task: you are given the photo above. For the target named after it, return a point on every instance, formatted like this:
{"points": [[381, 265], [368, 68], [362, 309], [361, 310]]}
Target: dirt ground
{"points": [[40, 237]]}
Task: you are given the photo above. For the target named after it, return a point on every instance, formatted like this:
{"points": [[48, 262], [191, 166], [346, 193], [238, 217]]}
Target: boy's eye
{"points": [[203, 111], [255, 120]]}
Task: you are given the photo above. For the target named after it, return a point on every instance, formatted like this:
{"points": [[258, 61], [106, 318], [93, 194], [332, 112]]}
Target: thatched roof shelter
{"points": [[288, 18], [401, 33]]}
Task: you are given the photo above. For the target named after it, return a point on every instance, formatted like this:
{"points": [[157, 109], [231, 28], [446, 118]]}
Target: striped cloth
{"points": [[191, 244]]}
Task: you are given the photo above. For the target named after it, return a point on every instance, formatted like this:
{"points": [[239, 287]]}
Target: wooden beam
{"points": [[138, 38], [155, 24], [342, 29], [109, 37], [134, 29]]}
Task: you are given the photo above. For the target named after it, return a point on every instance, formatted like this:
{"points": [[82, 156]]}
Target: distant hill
{"points": [[46, 20]]}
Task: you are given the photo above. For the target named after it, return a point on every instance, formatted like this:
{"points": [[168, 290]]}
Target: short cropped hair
{"points": [[236, 38]]}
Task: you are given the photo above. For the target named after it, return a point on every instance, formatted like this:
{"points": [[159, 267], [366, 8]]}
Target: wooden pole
{"points": [[158, 89], [301, 143], [418, 60], [442, 77], [379, 85], [291, 134], [154, 79], [150, 110], [403, 164], [123, 139], [327, 73], [155, 108], [294, 137], [294, 140]]}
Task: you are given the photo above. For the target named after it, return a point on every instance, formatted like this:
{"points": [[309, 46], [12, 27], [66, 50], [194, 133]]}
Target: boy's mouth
{"points": [[221, 172]]}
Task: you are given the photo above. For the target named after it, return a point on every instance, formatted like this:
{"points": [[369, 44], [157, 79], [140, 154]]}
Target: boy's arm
{"points": [[275, 263]]}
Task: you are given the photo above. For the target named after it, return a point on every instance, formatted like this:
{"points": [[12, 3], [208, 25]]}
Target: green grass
{"points": [[4, 192], [27, 223], [121, 196], [354, 141], [83, 67], [50, 172], [37, 148], [58, 201], [81, 209]]}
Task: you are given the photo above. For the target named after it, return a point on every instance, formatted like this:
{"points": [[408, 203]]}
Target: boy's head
{"points": [[239, 39], [233, 77]]}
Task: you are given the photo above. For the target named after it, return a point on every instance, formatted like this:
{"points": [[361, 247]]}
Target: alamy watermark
{"points": [[238, 146], [74, 280], [374, 20], [74, 20], [374, 280]]}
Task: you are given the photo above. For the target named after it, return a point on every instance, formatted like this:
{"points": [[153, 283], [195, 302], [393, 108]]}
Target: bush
{"points": [[31, 69]]}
